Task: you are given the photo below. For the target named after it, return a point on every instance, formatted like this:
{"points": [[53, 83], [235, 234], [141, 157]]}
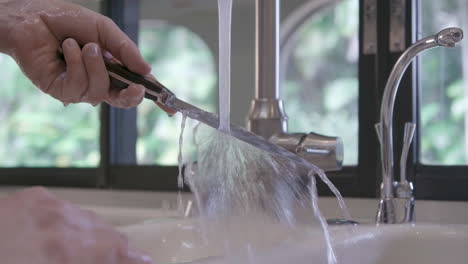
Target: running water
{"points": [[224, 20], [235, 184], [331, 257], [341, 202], [180, 160]]}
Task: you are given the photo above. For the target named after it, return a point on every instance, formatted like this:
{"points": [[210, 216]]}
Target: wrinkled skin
{"points": [[38, 228], [33, 31]]}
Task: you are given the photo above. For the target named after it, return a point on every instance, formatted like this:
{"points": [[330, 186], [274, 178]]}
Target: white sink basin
{"points": [[175, 241], [150, 220]]}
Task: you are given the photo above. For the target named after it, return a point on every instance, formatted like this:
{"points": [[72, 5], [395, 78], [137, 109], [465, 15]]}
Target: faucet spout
{"points": [[448, 37]]}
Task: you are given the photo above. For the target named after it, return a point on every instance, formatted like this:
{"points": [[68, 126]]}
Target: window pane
{"points": [[183, 62], [443, 89], [38, 131], [320, 78]]}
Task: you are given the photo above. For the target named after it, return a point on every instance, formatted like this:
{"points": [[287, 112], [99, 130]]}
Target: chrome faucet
{"points": [[267, 117], [390, 210]]}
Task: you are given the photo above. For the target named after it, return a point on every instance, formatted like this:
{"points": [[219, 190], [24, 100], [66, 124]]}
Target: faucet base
{"points": [[267, 117], [397, 210], [386, 212]]}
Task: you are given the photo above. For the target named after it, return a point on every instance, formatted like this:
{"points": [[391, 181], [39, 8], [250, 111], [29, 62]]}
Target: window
{"points": [[331, 83], [37, 131], [443, 87], [319, 82], [183, 62]]}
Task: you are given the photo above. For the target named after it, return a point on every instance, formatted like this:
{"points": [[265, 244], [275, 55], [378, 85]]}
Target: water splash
{"points": [[235, 178], [180, 178], [336, 192], [180, 160], [241, 189], [331, 257], [235, 181]]}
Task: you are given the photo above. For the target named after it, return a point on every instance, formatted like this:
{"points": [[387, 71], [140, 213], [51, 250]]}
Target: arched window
{"points": [[183, 62], [319, 73], [38, 131]]}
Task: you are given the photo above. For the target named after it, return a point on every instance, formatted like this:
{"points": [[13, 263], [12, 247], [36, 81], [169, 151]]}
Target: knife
{"points": [[121, 77]]}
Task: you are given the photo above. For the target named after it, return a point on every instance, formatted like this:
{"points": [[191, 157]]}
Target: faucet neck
{"points": [[387, 107], [267, 49]]}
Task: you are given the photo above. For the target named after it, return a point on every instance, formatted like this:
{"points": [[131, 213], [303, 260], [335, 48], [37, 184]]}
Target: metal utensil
{"points": [[121, 77]]}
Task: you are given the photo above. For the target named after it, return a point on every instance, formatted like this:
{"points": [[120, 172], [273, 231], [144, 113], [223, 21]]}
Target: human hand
{"points": [[38, 228], [40, 27]]}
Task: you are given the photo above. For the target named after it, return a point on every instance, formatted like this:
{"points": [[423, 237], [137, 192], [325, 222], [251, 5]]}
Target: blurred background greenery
{"points": [[38, 131], [320, 85], [443, 89], [183, 62], [320, 90]]}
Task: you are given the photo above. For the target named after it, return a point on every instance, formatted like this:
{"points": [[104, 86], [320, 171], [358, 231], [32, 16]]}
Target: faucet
{"points": [[267, 117], [392, 192]]}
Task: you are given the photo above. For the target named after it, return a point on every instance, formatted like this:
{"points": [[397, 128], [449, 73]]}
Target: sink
{"points": [[154, 224], [440, 235], [178, 240]]}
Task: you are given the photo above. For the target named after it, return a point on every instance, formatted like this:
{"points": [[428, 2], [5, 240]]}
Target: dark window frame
{"points": [[118, 131], [436, 182]]}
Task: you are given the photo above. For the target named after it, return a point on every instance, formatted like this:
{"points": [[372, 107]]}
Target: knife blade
{"points": [[238, 132]]}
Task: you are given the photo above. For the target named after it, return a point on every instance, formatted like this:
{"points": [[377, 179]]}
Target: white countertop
{"points": [[127, 207]]}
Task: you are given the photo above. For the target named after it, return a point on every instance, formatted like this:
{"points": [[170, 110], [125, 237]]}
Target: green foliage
{"points": [[321, 86], [38, 131], [183, 62], [320, 92], [443, 92]]}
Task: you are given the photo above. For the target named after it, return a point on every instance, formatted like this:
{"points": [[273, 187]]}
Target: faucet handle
{"points": [[409, 132], [407, 139], [323, 151], [378, 131]]}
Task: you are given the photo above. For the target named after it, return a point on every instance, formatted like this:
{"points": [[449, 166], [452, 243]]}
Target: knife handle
{"points": [[121, 77]]}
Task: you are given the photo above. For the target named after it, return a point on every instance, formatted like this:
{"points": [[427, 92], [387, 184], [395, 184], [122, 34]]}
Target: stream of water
{"points": [[180, 160], [236, 181], [224, 21]]}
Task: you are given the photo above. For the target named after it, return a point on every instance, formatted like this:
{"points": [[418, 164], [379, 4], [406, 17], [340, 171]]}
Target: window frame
{"points": [[118, 134], [118, 130], [431, 182], [435, 182]]}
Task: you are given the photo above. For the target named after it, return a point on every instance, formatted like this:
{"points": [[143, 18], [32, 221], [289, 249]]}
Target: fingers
{"points": [[98, 79], [76, 77], [87, 26], [34, 194], [120, 46], [87, 80], [127, 98], [83, 78]]}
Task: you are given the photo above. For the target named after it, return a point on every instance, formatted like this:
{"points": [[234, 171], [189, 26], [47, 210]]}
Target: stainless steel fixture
{"points": [[267, 117], [324, 152], [397, 201]]}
